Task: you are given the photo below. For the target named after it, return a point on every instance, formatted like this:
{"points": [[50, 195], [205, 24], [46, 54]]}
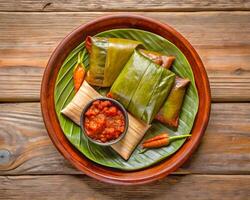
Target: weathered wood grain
{"points": [[123, 5], [221, 38], [225, 146], [26, 149], [82, 187], [24, 144], [20, 83]]}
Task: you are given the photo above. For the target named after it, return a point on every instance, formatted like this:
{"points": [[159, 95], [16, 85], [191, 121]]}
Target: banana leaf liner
{"points": [[142, 87], [64, 93], [170, 111]]}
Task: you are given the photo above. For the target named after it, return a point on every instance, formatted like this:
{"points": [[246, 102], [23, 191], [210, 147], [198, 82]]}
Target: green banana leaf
{"points": [[64, 92], [147, 85], [107, 58]]}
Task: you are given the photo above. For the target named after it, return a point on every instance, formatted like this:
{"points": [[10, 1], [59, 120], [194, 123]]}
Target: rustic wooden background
{"points": [[31, 167]]}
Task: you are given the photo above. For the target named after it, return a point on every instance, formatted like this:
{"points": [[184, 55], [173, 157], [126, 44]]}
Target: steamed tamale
{"points": [[170, 111], [142, 86], [107, 58]]}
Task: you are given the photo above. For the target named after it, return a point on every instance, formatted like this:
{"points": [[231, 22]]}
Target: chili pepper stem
{"points": [[143, 151], [172, 138], [83, 53], [80, 58]]}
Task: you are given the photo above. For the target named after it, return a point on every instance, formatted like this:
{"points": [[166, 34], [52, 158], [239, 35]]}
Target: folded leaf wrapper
{"points": [[107, 58], [169, 113], [158, 58], [142, 87], [136, 129]]}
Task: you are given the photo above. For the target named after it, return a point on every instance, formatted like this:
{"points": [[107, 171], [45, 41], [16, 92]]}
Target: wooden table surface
{"points": [[31, 167]]}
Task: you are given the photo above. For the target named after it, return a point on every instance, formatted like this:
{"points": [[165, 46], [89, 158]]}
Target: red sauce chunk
{"points": [[104, 121]]}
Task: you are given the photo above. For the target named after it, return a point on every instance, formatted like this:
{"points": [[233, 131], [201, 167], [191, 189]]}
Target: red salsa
{"points": [[104, 121]]}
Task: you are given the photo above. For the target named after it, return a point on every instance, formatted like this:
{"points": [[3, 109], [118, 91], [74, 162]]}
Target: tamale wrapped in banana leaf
{"points": [[158, 58], [142, 87], [107, 58], [170, 111]]}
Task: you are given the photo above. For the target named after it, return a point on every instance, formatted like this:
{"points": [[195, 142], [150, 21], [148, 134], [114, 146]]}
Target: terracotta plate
{"points": [[74, 156]]}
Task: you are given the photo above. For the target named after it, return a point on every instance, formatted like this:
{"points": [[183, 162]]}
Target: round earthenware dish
{"points": [[107, 174]]}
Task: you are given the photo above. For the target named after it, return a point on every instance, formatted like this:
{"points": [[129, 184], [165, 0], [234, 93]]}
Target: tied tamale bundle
{"points": [[107, 58], [170, 111], [158, 58], [142, 87]]}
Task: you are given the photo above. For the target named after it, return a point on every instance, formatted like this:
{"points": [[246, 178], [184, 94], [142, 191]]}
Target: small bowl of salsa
{"points": [[104, 121]]}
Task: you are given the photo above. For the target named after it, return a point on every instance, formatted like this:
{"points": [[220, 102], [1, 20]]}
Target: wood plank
{"points": [[226, 144], [124, 5], [20, 83], [24, 144], [221, 38], [173, 187], [25, 147]]}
